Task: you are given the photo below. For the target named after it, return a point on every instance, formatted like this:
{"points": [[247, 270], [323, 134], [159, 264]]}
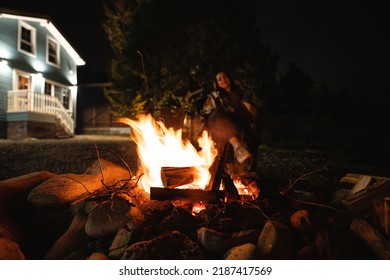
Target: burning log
{"points": [[186, 194], [217, 169], [173, 177]]}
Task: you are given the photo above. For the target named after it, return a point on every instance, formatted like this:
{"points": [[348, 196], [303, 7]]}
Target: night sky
{"points": [[341, 43], [344, 44]]}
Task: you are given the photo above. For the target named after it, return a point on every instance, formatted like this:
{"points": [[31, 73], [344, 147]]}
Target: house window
{"points": [[27, 39], [53, 52], [62, 93], [65, 97], [48, 88], [23, 82]]}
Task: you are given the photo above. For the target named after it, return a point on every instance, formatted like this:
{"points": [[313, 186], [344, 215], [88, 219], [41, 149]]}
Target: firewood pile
{"points": [[105, 214]]}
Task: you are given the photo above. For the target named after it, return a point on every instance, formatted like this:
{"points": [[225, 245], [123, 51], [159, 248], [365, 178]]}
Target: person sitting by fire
{"points": [[229, 117]]}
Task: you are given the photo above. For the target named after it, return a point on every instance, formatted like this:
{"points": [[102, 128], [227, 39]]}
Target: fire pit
{"points": [[172, 168], [177, 195]]}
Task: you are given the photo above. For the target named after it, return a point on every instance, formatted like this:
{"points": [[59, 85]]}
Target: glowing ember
{"points": [[197, 208], [246, 192], [158, 146]]}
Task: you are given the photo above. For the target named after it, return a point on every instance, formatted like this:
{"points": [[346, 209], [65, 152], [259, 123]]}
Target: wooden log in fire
{"points": [[173, 177], [217, 168], [186, 194]]}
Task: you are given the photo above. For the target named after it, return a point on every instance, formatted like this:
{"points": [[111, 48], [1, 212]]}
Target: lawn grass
{"points": [[318, 169], [72, 155], [313, 169]]}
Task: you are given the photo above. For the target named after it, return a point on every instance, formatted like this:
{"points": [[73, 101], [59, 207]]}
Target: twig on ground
{"points": [[293, 183]]}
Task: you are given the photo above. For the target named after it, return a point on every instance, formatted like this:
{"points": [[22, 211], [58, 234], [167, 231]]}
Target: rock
{"points": [[250, 216], [276, 241], [67, 188], [77, 255], [214, 241], [308, 252], [372, 237], [382, 215], [336, 241], [170, 246], [180, 220], [22, 185], [228, 225], [305, 221], [106, 219], [245, 236], [9, 250], [147, 213], [339, 196], [324, 245], [97, 256], [247, 251], [220, 243], [100, 244], [15, 211], [300, 220], [147, 233], [119, 244], [49, 224], [73, 239]]}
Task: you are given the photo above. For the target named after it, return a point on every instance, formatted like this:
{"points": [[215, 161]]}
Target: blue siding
{"points": [[30, 116], [5, 85], [7, 46], [65, 74], [23, 62], [8, 41]]}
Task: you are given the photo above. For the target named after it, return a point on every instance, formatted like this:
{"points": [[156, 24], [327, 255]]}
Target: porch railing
{"points": [[28, 101]]}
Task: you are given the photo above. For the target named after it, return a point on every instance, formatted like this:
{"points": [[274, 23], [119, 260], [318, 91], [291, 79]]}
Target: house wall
{"points": [[5, 85], [6, 45], [65, 74], [37, 126]]}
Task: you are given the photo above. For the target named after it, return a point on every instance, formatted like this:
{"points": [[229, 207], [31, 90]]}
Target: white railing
{"points": [[28, 101]]}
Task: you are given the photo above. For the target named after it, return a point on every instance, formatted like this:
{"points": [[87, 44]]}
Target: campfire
{"points": [[163, 151], [179, 203], [171, 162]]}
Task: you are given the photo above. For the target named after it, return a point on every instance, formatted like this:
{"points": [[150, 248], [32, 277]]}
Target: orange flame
{"points": [[158, 146]]}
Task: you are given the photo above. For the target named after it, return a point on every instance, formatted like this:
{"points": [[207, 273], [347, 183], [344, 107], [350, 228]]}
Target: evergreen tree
{"points": [[165, 48]]}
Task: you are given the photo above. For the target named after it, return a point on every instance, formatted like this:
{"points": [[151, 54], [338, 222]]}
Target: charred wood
{"points": [[186, 194]]}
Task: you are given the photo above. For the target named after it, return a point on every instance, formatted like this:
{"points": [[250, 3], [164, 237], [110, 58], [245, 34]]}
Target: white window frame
{"points": [[33, 42], [57, 51], [61, 97]]}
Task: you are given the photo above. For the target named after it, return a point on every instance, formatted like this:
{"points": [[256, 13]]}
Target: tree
{"points": [[165, 48], [298, 93]]}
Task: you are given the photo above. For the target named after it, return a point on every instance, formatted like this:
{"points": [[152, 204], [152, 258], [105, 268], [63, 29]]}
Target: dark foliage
{"points": [[166, 49]]}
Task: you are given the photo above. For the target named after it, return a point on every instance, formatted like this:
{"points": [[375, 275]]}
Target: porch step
{"points": [[60, 132]]}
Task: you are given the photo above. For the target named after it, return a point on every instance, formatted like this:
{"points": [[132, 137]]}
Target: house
{"points": [[38, 78]]}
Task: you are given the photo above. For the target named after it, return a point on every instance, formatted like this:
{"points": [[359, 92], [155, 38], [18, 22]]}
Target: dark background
{"points": [[342, 44]]}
